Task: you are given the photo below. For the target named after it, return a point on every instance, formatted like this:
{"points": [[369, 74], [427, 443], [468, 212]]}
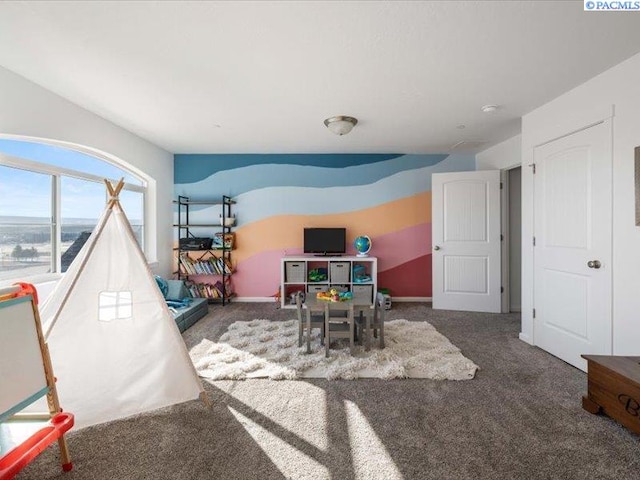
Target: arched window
{"points": [[50, 200]]}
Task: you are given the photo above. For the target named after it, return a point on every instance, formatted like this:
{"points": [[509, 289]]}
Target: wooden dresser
{"points": [[614, 388]]}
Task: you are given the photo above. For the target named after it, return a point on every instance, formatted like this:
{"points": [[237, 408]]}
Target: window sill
{"points": [[52, 277], [34, 279]]}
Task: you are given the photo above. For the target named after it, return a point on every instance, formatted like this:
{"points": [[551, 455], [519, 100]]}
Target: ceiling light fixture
{"points": [[489, 108], [341, 125]]}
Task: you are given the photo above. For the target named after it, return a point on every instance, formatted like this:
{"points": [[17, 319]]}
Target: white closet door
{"points": [[572, 254], [466, 241]]}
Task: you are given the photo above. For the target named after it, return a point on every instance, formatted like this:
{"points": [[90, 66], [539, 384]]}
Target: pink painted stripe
{"points": [[259, 275], [400, 247]]}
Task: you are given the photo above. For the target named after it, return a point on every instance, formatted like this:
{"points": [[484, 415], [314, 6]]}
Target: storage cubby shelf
{"points": [[294, 276]]}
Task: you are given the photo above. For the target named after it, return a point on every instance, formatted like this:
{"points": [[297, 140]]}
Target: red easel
{"points": [[13, 309]]}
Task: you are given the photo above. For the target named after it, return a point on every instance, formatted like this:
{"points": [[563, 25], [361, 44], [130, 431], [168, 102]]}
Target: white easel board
{"points": [[22, 374]]}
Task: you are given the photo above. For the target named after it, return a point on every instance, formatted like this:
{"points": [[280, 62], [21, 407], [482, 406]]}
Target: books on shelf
{"points": [[223, 240], [207, 290], [207, 266]]}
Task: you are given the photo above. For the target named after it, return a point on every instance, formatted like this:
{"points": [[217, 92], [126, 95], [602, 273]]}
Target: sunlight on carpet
{"points": [[369, 456], [266, 349], [289, 460], [303, 420]]}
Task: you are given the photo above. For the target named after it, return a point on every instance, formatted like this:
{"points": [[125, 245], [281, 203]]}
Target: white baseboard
{"points": [[254, 299], [525, 338], [271, 300], [410, 299]]}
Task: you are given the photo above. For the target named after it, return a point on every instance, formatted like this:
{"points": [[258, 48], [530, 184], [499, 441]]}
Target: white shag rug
{"points": [[266, 349]]}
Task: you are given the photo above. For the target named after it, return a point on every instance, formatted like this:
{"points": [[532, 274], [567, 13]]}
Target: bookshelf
{"points": [[204, 251]]}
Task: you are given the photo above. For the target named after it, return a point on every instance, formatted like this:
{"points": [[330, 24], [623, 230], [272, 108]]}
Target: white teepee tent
{"points": [[115, 347]]}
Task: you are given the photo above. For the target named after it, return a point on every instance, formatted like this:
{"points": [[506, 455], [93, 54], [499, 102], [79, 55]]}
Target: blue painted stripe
{"points": [[241, 180], [266, 202], [24, 404], [13, 301], [190, 168]]}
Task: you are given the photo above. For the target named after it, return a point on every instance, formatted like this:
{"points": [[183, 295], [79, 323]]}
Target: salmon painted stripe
{"points": [[286, 231]]}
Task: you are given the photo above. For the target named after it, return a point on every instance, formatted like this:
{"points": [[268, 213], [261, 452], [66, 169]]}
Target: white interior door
{"points": [[466, 241], [572, 253]]}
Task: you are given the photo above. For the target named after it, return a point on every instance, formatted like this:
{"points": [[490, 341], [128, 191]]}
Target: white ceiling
{"points": [[260, 77]]}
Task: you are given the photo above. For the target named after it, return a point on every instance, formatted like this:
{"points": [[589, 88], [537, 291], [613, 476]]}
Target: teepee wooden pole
{"points": [[95, 234], [206, 400], [109, 187], [114, 192]]}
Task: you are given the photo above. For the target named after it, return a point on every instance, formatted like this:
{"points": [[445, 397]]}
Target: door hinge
{"points": [[501, 289], [534, 313], [501, 237], [534, 241], [501, 185], [533, 166]]}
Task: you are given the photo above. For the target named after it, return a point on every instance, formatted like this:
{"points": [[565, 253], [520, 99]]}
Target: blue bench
{"points": [[185, 316]]}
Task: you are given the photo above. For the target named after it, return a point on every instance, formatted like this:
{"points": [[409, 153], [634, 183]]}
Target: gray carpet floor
{"points": [[520, 418]]}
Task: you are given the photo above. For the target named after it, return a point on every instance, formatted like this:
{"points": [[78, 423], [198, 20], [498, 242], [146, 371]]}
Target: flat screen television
{"points": [[325, 241]]}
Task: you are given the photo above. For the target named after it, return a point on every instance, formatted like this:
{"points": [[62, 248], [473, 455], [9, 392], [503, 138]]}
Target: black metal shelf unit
{"points": [[188, 259]]}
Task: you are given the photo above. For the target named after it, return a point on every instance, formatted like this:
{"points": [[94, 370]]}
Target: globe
{"points": [[362, 245]]}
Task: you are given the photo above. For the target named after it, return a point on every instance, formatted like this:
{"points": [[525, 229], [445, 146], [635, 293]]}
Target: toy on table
{"points": [[334, 296]]}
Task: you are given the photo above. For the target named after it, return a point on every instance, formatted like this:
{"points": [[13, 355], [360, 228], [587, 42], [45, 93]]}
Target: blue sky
{"points": [[28, 194]]}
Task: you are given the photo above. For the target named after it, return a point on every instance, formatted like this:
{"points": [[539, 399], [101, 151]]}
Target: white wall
{"points": [[617, 90], [504, 156], [515, 239], [26, 109], [507, 154]]}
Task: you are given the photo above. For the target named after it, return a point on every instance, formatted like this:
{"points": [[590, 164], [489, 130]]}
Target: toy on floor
{"points": [[276, 297], [387, 297]]}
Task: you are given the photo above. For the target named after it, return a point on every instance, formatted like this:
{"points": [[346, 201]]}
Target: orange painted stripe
{"points": [[285, 231]]}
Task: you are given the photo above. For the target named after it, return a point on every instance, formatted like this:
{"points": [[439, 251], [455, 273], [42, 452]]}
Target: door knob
{"points": [[594, 264], [436, 247]]}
